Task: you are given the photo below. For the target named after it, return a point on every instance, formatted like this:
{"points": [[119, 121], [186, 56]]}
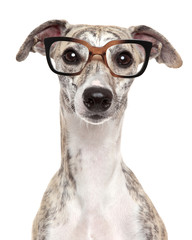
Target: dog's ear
{"points": [[35, 41], [161, 50]]}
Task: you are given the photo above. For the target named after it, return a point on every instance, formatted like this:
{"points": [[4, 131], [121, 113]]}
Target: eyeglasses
{"points": [[72, 55]]}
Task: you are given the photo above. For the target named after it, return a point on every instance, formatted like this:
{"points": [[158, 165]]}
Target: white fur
{"points": [[97, 83], [102, 208]]}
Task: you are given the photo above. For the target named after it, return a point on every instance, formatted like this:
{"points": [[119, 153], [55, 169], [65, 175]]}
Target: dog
{"points": [[94, 195]]}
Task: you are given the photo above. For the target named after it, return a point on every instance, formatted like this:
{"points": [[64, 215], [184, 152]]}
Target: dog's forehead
{"points": [[98, 35]]}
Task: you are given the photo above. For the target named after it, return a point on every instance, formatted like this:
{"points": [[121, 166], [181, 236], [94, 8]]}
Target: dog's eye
{"points": [[124, 59], [70, 56]]}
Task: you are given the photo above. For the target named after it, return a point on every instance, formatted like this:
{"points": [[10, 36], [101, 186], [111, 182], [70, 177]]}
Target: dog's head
{"points": [[96, 65]]}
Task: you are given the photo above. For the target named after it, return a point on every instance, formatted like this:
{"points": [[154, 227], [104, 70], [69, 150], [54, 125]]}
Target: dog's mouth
{"points": [[94, 118]]}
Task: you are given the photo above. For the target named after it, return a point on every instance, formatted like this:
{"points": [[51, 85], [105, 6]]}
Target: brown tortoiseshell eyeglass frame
{"points": [[98, 51]]}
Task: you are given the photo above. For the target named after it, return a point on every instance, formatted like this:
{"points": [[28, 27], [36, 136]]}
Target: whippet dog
{"points": [[94, 195]]}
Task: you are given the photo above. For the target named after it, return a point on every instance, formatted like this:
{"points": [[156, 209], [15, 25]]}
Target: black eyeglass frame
{"points": [[98, 51]]}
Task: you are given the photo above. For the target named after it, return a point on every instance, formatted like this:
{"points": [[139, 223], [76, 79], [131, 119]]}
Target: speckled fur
{"points": [[54, 211]]}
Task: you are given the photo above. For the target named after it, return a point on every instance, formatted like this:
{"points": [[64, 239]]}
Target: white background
{"points": [[157, 133]]}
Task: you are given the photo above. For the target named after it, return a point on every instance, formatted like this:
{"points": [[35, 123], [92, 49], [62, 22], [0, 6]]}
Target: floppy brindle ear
{"points": [[35, 41], [161, 50]]}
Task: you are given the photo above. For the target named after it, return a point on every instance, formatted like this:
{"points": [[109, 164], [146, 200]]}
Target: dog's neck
{"points": [[91, 157]]}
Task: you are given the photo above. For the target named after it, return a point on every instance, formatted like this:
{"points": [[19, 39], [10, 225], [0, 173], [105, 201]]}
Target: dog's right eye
{"points": [[70, 56]]}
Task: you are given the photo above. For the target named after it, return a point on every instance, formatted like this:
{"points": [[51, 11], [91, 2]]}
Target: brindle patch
{"points": [[152, 225]]}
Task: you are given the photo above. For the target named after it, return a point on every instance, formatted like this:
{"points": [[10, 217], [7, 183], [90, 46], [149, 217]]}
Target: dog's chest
{"points": [[116, 222]]}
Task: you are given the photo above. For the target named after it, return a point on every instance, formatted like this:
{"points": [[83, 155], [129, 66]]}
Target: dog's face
{"points": [[95, 95]]}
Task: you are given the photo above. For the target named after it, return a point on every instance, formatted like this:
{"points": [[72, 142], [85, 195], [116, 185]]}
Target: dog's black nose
{"points": [[97, 99]]}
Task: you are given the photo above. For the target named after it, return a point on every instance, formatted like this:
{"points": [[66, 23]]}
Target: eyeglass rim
{"points": [[98, 51]]}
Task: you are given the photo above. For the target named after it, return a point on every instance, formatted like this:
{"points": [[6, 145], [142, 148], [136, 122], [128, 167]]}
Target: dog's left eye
{"points": [[70, 56], [124, 59]]}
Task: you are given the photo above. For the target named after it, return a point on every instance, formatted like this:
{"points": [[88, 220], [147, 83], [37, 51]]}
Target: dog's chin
{"points": [[94, 119]]}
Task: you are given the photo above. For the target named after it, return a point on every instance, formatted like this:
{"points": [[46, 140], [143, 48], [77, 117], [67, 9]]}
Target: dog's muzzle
{"points": [[97, 99]]}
